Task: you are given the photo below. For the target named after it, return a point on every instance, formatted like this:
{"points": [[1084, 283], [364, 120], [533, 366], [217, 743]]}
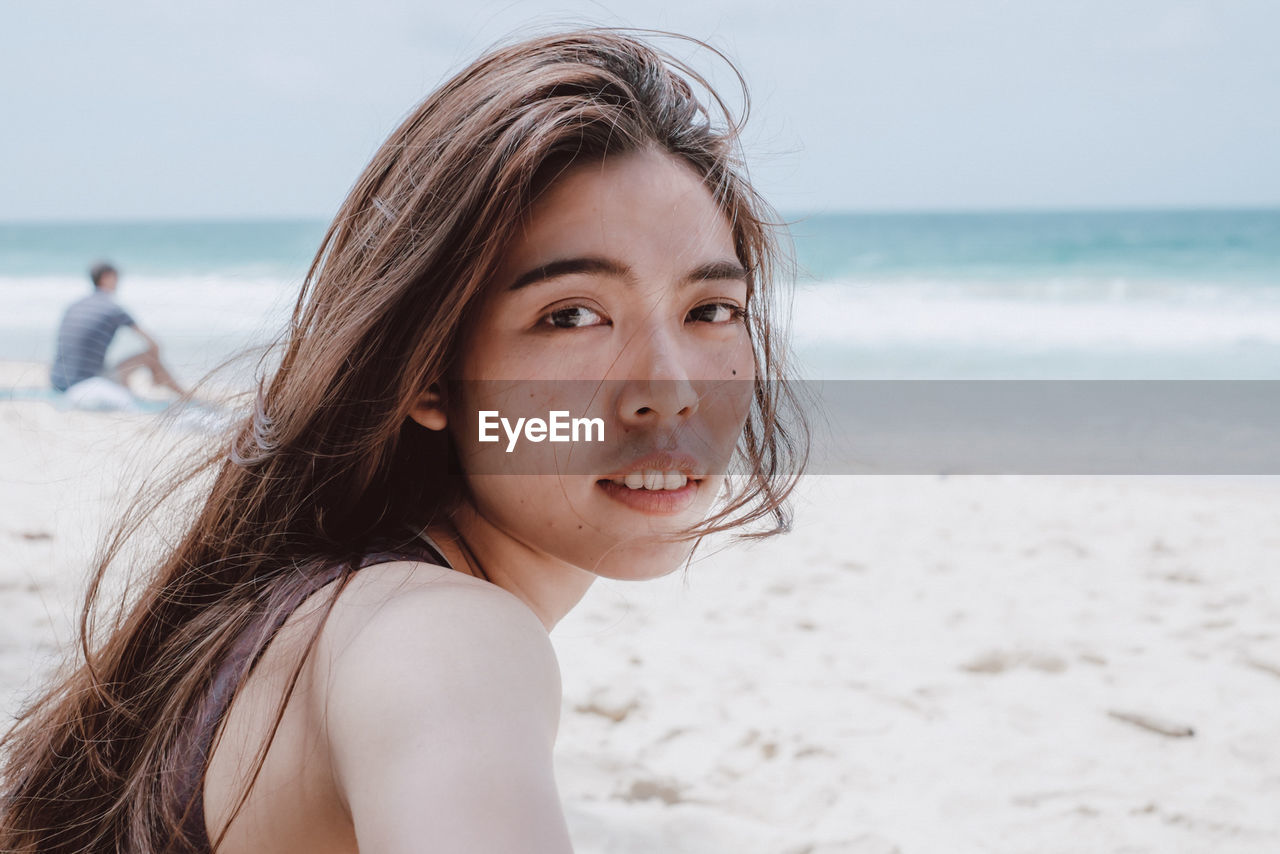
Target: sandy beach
{"points": [[924, 664]]}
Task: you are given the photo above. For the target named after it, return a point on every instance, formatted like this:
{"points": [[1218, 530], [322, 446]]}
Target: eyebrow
{"points": [[722, 270]]}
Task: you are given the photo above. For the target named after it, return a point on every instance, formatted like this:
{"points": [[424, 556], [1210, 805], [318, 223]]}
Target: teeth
{"points": [[653, 479]]}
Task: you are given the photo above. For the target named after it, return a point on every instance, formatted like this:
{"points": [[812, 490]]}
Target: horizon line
{"points": [[198, 219]]}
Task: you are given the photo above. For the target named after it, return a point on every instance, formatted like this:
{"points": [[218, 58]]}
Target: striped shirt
{"points": [[83, 338]]}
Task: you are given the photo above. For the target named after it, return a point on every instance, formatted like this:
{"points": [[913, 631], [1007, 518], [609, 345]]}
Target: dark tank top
{"points": [[244, 654]]}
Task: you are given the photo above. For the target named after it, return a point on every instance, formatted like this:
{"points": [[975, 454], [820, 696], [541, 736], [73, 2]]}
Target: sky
{"points": [[142, 109]]}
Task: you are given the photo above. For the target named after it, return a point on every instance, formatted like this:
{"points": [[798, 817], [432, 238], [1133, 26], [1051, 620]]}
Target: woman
{"points": [[347, 648]]}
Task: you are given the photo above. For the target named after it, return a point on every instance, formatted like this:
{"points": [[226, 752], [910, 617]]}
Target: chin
{"points": [[640, 560]]}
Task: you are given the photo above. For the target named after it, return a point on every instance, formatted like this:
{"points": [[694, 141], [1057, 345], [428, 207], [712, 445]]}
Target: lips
{"points": [[657, 502], [657, 472], [661, 483], [652, 480]]}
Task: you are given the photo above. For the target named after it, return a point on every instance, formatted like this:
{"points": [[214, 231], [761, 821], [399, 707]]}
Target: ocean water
{"points": [[1071, 295]]}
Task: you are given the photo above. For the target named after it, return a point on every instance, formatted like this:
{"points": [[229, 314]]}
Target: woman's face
{"points": [[621, 301]]}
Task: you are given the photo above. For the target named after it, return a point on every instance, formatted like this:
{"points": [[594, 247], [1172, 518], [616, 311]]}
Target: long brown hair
{"points": [[328, 461]]}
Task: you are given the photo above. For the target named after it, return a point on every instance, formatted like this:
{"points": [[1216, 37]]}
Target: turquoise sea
{"points": [[1189, 294]]}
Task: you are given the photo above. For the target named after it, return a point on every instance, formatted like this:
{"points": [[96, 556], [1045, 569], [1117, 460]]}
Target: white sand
{"points": [[923, 665]]}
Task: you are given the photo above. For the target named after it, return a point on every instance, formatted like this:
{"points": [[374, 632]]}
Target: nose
{"points": [[656, 390]]}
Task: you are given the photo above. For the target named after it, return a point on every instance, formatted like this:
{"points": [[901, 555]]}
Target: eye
{"points": [[717, 312], [572, 317]]}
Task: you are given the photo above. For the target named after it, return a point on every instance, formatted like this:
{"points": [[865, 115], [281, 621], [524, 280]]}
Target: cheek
{"points": [[725, 403], [546, 513], [738, 370], [525, 504], [726, 356], [516, 501], [524, 427], [564, 519]]}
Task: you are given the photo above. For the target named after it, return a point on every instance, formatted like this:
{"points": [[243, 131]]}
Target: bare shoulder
{"points": [[440, 701], [405, 629]]}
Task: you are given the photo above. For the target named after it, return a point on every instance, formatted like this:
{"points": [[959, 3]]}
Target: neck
{"points": [[548, 586]]}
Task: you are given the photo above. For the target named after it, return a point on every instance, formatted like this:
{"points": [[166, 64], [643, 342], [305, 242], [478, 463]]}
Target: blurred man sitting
{"points": [[87, 329]]}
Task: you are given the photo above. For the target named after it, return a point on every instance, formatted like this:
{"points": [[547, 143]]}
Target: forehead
{"points": [[647, 204]]}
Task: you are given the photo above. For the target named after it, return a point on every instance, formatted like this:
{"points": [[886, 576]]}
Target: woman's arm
{"points": [[440, 720]]}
